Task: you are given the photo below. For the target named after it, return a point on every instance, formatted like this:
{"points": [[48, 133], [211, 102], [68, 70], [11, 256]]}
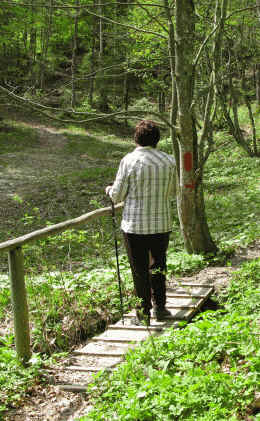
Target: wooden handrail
{"points": [[16, 272], [55, 229]]}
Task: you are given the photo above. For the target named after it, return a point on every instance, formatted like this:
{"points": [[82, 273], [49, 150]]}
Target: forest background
{"points": [[90, 70]]}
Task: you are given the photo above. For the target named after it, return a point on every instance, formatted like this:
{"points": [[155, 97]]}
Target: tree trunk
{"points": [[126, 96], [93, 60], [190, 198], [257, 82], [161, 101], [103, 100], [45, 38], [251, 117], [74, 55], [257, 73], [174, 102], [32, 44]]}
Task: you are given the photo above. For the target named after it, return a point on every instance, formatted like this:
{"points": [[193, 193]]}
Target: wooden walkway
{"points": [[107, 350]]}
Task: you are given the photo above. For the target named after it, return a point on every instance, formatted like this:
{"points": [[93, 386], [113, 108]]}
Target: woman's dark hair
{"points": [[147, 133]]}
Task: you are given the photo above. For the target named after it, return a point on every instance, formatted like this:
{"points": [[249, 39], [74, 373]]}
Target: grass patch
{"points": [[232, 197], [15, 380], [182, 263], [90, 174], [97, 147], [17, 139]]}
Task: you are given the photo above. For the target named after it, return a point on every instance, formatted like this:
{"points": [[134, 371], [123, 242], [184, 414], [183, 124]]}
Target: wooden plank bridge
{"points": [[107, 350]]}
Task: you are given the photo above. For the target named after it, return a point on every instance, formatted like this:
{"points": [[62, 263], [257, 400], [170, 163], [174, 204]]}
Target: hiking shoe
{"points": [[162, 314]]}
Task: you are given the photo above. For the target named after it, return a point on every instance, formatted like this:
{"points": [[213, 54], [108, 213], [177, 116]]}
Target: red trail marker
{"points": [[188, 164]]}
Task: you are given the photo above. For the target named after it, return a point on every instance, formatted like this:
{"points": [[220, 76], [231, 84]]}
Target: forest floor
{"points": [[27, 176], [48, 402]]}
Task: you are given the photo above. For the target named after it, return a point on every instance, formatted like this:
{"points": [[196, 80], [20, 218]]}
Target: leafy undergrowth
{"points": [[65, 309], [209, 370], [16, 380]]}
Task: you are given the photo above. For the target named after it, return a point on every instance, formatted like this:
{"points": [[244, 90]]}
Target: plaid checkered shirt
{"points": [[145, 181]]}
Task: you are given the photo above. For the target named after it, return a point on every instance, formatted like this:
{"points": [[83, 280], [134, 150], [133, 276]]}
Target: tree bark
{"points": [[258, 65], [45, 38], [253, 149], [190, 199], [103, 100], [74, 56], [32, 44], [174, 102], [257, 81], [126, 95], [93, 60]]}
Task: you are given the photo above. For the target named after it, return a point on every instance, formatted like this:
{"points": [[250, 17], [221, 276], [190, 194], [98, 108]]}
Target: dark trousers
{"points": [[147, 258]]}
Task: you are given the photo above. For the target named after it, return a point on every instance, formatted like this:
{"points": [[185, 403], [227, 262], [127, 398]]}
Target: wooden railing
{"points": [[16, 271]]}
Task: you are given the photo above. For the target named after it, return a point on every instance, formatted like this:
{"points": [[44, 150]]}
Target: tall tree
{"points": [[258, 64], [45, 38], [74, 55]]}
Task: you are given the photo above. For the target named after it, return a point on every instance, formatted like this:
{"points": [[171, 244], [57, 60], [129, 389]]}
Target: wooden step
{"points": [[97, 363], [88, 369], [135, 328], [122, 335], [189, 284], [177, 312], [103, 348]]}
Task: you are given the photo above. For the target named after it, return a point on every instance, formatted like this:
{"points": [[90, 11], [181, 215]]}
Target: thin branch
{"points": [[94, 116], [125, 25], [10, 3], [153, 17], [195, 62], [241, 10]]}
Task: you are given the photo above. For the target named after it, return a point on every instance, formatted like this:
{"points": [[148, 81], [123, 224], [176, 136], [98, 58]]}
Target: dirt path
{"points": [[46, 158], [51, 403]]}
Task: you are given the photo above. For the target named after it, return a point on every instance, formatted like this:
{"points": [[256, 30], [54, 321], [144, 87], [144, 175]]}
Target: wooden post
{"points": [[20, 306]]}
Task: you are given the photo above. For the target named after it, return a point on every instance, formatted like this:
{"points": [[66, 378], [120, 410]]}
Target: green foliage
{"points": [[5, 296], [243, 291], [16, 139], [143, 104], [232, 198], [15, 380], [183, 263], [97, 146], [91, 174], [207, 371], [166, 145], [68, 307]]}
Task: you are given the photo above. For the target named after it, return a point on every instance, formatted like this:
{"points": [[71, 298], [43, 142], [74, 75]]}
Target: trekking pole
{"points": [[117, 261]]}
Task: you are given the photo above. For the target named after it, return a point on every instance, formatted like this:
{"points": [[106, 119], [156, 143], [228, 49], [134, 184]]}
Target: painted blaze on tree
{"points": [[188, 165]]}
